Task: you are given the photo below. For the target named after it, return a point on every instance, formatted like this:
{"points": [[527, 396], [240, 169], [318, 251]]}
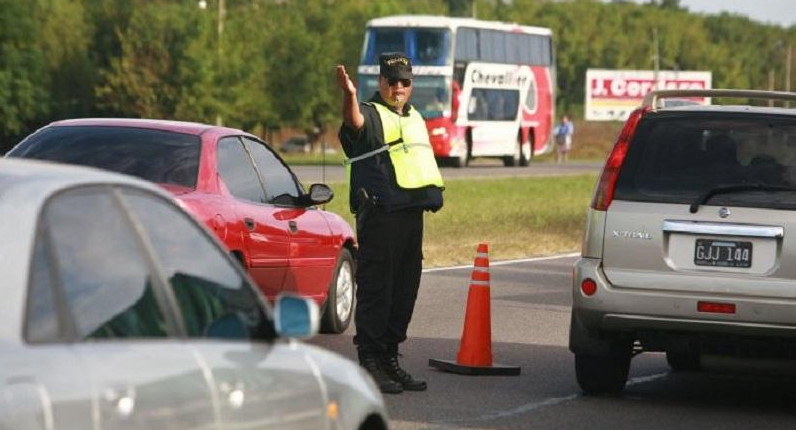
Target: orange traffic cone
{"points": [[475, 351]]}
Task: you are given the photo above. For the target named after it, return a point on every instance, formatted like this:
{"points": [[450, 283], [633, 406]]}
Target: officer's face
{"points": [[395, 92]]}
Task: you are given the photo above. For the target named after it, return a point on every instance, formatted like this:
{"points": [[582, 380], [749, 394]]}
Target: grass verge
{"points": [[517, 217]]}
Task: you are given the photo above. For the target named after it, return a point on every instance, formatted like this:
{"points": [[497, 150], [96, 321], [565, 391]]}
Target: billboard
{"points": [[612, 94]]}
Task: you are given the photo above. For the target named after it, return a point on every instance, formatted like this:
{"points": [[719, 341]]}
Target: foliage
{"points": [[262, 65]]}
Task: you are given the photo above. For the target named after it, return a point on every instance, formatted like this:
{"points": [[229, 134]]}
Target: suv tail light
{"points": [[604, 193]]}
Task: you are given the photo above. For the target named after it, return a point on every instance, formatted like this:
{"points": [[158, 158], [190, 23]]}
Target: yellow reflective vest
{"points": [[409, 148]]}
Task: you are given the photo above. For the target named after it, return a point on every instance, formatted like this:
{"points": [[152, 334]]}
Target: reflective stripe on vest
{"points": [[410, 150]]}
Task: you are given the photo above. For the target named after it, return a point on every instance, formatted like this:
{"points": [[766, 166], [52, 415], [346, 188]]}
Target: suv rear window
{"points": [[158, 156], [675, 157]]}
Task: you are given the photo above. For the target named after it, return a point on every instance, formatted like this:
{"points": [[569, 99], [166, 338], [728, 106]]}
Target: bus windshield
{"points": [[430, 94], [426, 46]]}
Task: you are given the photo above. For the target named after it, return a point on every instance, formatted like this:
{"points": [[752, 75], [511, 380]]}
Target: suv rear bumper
{"points": [[664, 317]]}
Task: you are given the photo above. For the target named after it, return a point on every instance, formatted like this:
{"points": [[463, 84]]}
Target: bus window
{"points": [[525, 49], [383, 40], [540, 50], [367, 86], [491, 46], [431, 46], [467, 44], [493, 105], [431, 96], [426, 46], [530, 98]]}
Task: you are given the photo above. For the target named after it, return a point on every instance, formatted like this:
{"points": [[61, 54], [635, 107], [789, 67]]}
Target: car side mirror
{"points": [[296, 317], [318, 195]]}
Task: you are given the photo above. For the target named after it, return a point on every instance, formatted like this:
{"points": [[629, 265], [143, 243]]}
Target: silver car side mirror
{"points": [[296, 317]]}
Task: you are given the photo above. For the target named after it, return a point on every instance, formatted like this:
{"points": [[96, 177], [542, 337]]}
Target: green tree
{"points": [[23, 69], [65, 37], [45, 72], [460, 7], [143, 81]]}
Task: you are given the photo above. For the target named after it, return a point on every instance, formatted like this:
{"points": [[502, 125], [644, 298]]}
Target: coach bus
{"points": [[485, 88]]}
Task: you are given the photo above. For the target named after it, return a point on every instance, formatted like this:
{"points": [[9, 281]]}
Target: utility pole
{"points": [[770, 85], [656, 57], [788, 61], [222, 13]]}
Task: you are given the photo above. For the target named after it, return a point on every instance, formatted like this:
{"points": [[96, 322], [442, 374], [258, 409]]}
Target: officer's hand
{"points": [[344, 81]]}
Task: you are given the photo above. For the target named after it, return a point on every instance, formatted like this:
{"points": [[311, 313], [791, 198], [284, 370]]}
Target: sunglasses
{"points": [[394, 81]]}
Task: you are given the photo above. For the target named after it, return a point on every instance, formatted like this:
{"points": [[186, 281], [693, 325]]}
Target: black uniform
{"points": [[390, 236]]}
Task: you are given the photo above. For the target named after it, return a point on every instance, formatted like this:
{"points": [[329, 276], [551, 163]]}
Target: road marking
{"points": [[644, 379], [530, 407], [504, 262]]}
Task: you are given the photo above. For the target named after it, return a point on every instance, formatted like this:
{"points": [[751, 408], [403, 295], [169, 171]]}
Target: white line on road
{"points": [[530, 407], [505, 262]]}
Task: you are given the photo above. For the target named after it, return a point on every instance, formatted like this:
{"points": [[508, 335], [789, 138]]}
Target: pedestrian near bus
{"points": [[393, 179], [563, 135]]}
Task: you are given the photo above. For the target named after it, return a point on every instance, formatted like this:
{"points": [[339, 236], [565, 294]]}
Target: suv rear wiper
{"points": [[724, 189]]}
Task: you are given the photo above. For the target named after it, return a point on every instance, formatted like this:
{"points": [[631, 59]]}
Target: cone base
{"points": [[454, 367]]}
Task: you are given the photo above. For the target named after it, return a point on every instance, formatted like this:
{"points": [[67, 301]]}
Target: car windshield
{"points": [[154, 155], [680, 157]]}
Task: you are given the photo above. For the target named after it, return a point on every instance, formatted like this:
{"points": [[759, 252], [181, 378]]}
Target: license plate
{"points": [[723, 253]]}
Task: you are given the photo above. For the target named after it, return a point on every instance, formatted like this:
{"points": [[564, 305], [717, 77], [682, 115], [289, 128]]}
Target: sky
{"points": [[779, 12]]}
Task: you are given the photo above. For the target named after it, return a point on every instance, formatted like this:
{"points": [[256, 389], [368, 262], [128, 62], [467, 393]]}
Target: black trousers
{"points": [[389, 263]]}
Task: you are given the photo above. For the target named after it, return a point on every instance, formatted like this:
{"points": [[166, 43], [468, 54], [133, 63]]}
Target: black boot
{"points": [[370, 361], [389, 362]]}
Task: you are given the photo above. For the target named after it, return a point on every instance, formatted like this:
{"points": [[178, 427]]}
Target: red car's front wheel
{"points": [[339, 307]]}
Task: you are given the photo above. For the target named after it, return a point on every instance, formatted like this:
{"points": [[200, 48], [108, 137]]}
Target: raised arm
{"points": [[352, 117]]}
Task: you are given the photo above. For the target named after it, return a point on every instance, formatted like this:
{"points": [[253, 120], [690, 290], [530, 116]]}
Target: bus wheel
{"points": [[460, 161], [526, 153], [516, 158], [468, 158]]}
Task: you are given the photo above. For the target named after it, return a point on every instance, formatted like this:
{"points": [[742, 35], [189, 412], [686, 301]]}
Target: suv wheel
{"points": [[339, 307], [602, 374], [684, 361]]}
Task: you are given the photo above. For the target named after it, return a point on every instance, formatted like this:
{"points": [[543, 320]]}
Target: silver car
{"points": [[120, 311], [689, 238]]}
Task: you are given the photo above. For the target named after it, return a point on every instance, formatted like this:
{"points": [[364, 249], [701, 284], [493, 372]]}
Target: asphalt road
{"points": [[530, 306], [485, 168]]}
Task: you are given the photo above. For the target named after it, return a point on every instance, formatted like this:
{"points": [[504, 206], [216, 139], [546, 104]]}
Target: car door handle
{"points": [[293, 226], [249, 223]]}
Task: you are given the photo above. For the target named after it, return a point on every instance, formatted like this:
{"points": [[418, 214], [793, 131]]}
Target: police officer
{"points": [[393, 178]]}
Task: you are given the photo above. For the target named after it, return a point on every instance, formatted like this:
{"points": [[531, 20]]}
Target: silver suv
{"points": [[689, 238]]}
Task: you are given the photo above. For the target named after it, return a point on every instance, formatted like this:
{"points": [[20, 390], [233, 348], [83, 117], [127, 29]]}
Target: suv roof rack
{"points": [[651, 100]]}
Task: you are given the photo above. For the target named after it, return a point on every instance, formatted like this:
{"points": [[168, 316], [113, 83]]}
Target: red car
{"points": [[234, 183]]}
